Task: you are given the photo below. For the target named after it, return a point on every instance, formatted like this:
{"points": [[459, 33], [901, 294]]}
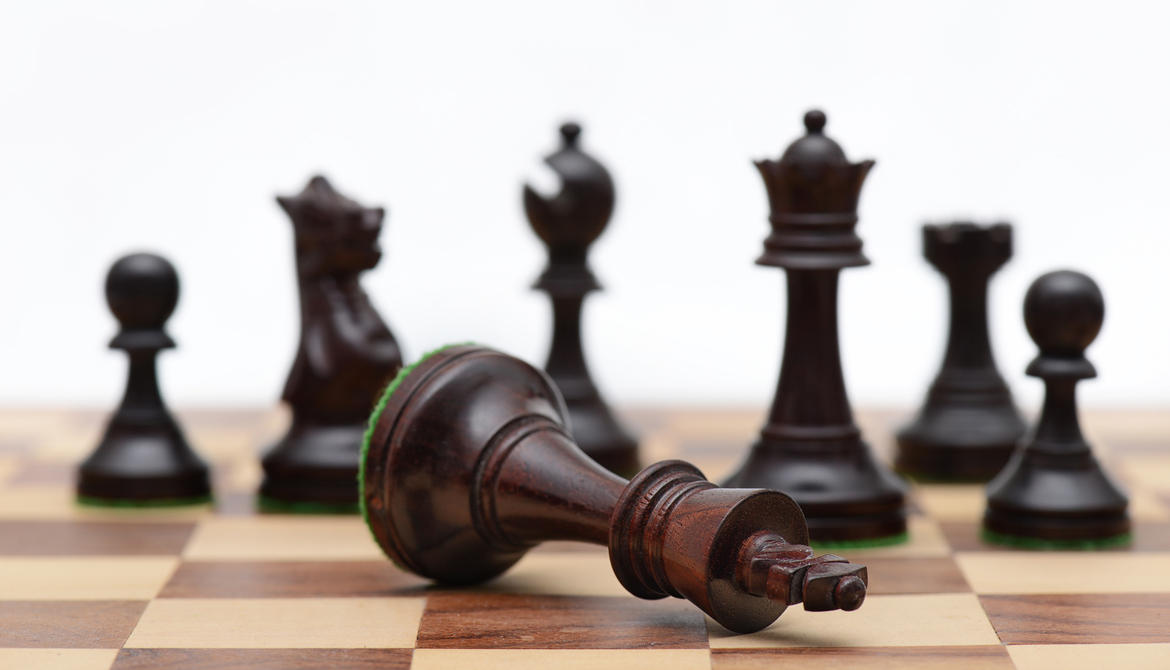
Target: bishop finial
{"points": [[569, 133], [814, 121]]}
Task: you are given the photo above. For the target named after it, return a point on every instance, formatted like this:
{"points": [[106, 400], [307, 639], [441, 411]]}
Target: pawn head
{"points": [[1063, 311], [142, 290]]}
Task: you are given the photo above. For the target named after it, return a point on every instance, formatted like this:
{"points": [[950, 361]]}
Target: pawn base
{"points": [[1043, 544], [313, 470], [142, 463]]}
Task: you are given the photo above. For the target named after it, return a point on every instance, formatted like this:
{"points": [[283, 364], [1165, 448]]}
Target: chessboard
{"points": [[225, 587]]}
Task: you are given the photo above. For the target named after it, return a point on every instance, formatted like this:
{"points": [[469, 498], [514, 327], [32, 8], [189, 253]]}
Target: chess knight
{"points": [[346, 354]]}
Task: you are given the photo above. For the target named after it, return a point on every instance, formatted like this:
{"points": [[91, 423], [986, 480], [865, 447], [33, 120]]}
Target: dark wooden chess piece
{"points": [[810, 448], [969, 426], [345, 357], [469, 465], [568, 224], [1053, 493], [143, 458]]}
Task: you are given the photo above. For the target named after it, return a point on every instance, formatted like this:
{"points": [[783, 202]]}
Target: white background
{"points": [[171, 126]]}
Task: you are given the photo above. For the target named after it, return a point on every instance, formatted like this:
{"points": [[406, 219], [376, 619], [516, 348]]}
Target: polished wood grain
{"points": [[290, 579], [469, 466], [1106, 618], [463, 620], [1147, 536], [92, 538], [263, 659], [90, 624]]}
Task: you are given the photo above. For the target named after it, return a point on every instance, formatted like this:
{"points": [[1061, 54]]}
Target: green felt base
{"points": [[380, 407], [861, 544], [1018, 542], [90, 501], [274, 506]]}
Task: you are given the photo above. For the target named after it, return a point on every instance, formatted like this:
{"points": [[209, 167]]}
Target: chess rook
{"points": [[1053, 493], [143, 458], [345, 356], [969, 426], [568, 224], [468, 465], [811, 448]]}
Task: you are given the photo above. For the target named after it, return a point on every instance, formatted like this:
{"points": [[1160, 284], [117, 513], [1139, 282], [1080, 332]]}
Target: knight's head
{"points": [[334, 235]]}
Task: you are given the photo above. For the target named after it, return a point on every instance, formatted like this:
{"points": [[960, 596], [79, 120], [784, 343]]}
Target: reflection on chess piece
{"points": [[969, 425], [810, 448], [143, 458], [1053, 493], [568, 224], [346, 355], [468, 466]]}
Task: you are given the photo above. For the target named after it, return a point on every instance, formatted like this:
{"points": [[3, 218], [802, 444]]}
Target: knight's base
{"points": [[313, 470]]}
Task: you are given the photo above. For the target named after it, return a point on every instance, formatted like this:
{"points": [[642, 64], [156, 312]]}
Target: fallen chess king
{"points": [[468, 464]]}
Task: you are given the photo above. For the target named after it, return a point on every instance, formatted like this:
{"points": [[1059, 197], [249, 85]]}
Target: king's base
{"points": [[847, 497], [313, 470]]}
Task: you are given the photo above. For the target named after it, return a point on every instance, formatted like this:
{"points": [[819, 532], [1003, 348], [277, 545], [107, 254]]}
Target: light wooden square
{"points": [[585, 573], [286, 538], [1006, 573], [84, 578], [284, 623], [561, 659], [59, 503], [1090, 656], [57, 659], [1152, 472], [951, 619], [952, 502]]}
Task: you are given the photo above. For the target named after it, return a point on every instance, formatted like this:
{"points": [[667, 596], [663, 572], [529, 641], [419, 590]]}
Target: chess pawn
{"points": [[1053, 493], [345, 356], [969, 425], [810, 448], [143, 458], [568, 224], [468, 465]]}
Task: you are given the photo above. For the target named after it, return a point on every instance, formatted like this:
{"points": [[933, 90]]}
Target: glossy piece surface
{"points": [[567, 224], [345, 356], [143, 457], [469, 466], [969, 426], [1053, 491], [811, 448]]}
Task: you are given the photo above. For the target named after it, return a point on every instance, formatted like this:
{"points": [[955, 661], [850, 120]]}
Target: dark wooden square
{"points": [[1107, 618], [263, 659], [290, 579], [87, 624], [914, 575], [462, 620], [92, 538]]}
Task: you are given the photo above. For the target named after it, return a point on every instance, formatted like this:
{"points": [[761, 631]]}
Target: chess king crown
{"points": [[813, 191]]}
